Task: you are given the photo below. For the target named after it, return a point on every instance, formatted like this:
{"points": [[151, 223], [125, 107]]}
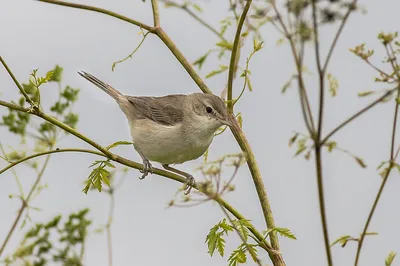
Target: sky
{"points": [[145, 231]]}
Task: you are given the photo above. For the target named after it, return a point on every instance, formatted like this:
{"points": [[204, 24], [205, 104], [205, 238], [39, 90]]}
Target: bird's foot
{"points": [[190, 182], [147, 168]]}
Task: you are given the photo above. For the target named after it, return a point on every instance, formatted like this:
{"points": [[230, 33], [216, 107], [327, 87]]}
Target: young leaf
{"points": [[221, 69], [390, 258], [333, 84], [342, 240], [282, 231], [200, 61], [360, 162], [118, 143], [225, 44], [242, 227], [238, 256], [211, 239]]}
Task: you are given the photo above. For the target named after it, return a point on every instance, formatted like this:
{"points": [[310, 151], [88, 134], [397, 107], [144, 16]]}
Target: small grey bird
{"points": [[170, 129]]}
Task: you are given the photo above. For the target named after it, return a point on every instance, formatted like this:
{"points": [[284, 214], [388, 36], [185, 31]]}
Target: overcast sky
{"points": [[145, 232]]}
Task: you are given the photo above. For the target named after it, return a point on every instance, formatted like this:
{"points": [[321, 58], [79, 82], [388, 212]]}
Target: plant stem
{"points": [[357, 114], [25, 202], [156, 14], [108, 228], [235, 49], [195, 17], [393, 61], [100, 10]]}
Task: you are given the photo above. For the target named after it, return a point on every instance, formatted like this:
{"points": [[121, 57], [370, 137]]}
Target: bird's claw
{"points": [[147, 169], [190, 182]]}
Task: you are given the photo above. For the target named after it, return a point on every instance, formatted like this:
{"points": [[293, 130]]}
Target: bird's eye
{"points": [[209, 109]]}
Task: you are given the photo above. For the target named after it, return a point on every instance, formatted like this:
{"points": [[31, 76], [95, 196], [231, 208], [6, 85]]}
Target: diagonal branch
{"points": [[100, 10]]}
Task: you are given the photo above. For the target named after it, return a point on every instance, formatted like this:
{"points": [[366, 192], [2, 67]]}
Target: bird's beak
{"points": [[227, 122]]}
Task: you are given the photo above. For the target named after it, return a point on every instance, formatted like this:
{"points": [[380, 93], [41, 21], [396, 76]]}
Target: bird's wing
{"points": [[166, 110]]}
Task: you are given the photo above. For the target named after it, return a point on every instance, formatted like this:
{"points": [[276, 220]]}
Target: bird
{"points": [[170, 129]]}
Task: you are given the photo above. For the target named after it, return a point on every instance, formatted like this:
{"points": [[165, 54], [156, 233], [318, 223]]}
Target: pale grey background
{"points": [[38, 35]]}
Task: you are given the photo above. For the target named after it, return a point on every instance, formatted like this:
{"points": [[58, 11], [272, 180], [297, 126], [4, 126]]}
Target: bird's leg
{"points": [[190, 181], [147, 168]]}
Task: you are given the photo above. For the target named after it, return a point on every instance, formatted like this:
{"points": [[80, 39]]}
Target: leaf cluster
{"points": [[51, 242]]}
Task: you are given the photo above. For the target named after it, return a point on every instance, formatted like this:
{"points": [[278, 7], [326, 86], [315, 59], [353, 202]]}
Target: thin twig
{"points": [[357, 114], [317, 138], [236, 47], [195, 17], [333, 45], [393, 62], [25, 202], [100, 10], [253, 254]]}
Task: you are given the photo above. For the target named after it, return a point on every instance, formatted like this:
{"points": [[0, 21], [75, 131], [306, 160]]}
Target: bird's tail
{"points": [[102, 85]]}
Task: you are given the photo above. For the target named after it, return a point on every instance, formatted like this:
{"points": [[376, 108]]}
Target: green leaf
{"points": [[216, 72], [242, 226], [365, 93], [371, 234], [342, 240], [300, 150], [118, 143], [380, 165], [282, 231], [238, 256], [200, 61], [225, 45], [257, 46], [360, 162], [197, 7], [57, 74], [333, 84], [225, 226], [331, 145], [211, 239], [390, 258], [221, 246]]}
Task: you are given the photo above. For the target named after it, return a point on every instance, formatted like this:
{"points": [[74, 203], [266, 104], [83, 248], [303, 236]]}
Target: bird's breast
{"points": [[169, 144]]}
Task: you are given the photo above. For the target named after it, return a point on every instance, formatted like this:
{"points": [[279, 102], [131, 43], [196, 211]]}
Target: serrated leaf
{"points": [[238, 256], [284, 232], [221, 246], [211, 239], [118, 143], [390, 258], [216, 72], [342, 240], [225, 226], [242, 226], [107, 163], [253, 252]]}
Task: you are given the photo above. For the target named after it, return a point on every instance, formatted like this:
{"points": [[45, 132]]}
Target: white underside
{"points": [[171, 144]]}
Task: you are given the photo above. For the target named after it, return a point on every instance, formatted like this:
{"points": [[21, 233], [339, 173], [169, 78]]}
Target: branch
{"points": [[317, 138], [235, 49], [21, 89], [359, 113], [392, 158], [100, 10], [156, 14], [25, 202], [333, 45], [195, 17]]}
